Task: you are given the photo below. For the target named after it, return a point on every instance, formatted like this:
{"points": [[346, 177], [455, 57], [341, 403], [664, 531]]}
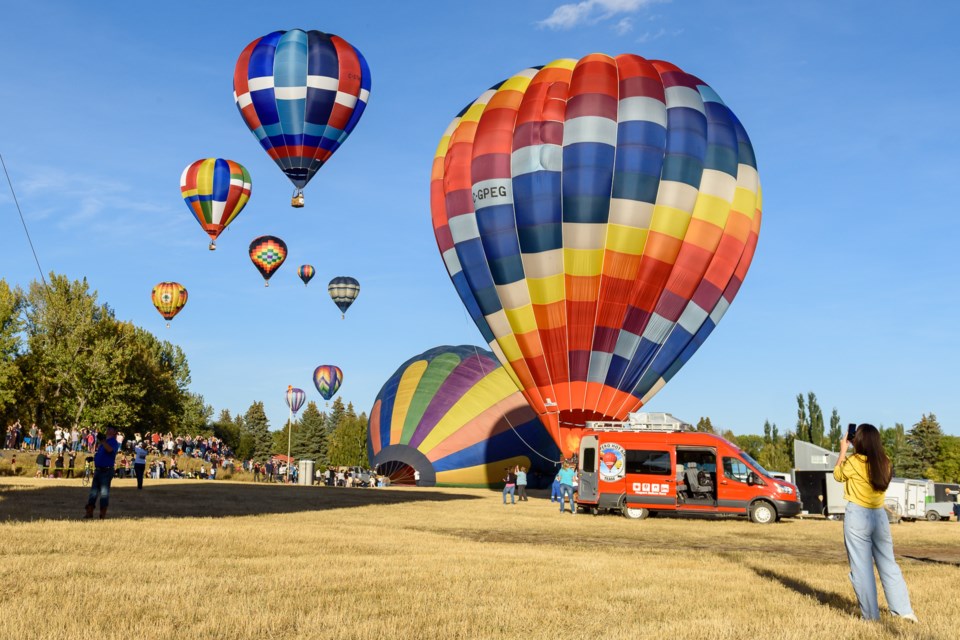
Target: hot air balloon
{"points": [[295, 398], [301, 93], [597, 218], [454, 415], [267, 254], [306, 273], [327, 378], [343, 290], [216, 191], [169, 298]]}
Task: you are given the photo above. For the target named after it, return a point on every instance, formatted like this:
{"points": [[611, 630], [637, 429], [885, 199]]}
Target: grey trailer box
{"points": [[813, 475]]}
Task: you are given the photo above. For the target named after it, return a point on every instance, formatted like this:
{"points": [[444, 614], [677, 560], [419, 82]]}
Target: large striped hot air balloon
{"points": [[327, 378], [267, 254], [597, 217], [454, 415], [215, 190], [301, 93], [169, 298], [343, 291]]}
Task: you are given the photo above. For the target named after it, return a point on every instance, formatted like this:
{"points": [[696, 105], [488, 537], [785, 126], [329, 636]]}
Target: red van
{"points": [[638, 470]]}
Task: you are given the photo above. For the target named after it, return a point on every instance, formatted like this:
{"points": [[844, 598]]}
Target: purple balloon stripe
{"points": [[466, 374]]}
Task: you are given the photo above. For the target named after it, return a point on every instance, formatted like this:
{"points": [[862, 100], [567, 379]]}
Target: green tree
{"points": [[196, 415], [11, 324], [227, 430], [752, 444], [337, 413], [704, 425], [923, 447], [767, 432], [803, 423], [258, 427], [947, 467], [895, 443], [348, 443], [815, 417], [311, 438], [836, 431]]}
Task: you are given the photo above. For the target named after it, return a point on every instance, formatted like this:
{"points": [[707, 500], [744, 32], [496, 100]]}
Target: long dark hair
{"points": [[867, 443]]}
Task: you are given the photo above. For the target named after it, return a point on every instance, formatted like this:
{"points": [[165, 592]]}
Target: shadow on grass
{"points": [[831, 599], [198, 499]]}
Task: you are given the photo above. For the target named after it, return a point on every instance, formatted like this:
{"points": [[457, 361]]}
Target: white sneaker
{"points": [[910, 617]]}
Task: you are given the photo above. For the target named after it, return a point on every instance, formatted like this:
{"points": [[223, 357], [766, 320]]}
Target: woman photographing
{"points": [[866, 530]]}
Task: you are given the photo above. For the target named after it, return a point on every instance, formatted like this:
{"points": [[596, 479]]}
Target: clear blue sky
{"points": [[851, 108]]}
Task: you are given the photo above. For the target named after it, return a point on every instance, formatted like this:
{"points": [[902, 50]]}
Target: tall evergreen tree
{"points": [[335, 417], [803, 423], [767, 432], [704, 425], [311, 437], [256, 424], [895, 443], [923, 447], [348, 443], [815, 419], [836, 431]]}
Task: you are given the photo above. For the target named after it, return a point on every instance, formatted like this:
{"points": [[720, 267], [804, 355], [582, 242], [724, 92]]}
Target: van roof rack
{"points": [[605, 425]]}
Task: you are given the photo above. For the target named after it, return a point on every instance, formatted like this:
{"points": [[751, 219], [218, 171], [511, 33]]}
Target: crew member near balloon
{"points": [[103, 462], [866, 530]]}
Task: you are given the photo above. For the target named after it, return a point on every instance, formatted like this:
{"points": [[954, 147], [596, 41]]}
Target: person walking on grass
{"points": [[567, 475], [522, 484], [866, 530], [103, 463], [510, 486]]}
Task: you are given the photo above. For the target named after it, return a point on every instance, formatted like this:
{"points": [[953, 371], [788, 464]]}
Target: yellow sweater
{"points": [[856, 482]]}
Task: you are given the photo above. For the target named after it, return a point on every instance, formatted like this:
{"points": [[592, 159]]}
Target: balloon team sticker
{"points": [[612, 463]]}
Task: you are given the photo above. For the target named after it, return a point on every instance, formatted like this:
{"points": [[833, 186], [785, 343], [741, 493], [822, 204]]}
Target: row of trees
{"points": [[923, 451], [66, 359]]}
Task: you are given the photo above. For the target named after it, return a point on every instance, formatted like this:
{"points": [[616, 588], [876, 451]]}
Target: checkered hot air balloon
{"points": [[169, 298], [327, 378], [267, 254], [301, 93], [597, 218], [215, 190], [295, 398], [306, 273], [343, 291]]}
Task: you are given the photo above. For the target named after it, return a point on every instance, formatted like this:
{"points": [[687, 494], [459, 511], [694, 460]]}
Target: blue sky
{"points": [[850, 106]]}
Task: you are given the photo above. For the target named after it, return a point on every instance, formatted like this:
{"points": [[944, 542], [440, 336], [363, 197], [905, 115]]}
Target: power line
{"points": [[24, 222]]}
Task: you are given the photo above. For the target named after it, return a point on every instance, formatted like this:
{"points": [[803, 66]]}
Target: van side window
{"points": [[589, 462], [655, 463], [735, 469]]}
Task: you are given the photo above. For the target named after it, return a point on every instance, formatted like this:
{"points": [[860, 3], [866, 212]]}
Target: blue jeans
{"points": [[100, 487], [866, 535], [510, 488], [566, 491], [555, 491]]}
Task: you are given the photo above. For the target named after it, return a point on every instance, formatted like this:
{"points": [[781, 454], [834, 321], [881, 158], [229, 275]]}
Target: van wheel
{"points": [[933, 516], [763, 513], [635, 513]]}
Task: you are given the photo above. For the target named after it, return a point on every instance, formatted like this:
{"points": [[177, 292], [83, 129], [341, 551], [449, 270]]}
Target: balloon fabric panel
{"points": [[595, 217]]}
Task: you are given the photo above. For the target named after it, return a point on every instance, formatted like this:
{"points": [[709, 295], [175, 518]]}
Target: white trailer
{"points": [[910, 496]]}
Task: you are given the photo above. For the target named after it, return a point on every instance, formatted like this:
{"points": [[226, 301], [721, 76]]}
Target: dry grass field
{"points": [[210, 560]]}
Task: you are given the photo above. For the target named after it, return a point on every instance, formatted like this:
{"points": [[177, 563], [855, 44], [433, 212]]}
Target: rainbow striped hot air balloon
{"points": [[301, 93], [597, 218], [216, 191], [267, 254], [306, 273], [295, 398], [169, 298], [327, 379], [454, 415]]}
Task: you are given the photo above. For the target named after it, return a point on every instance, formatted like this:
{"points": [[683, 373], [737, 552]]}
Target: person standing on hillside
{"points": [[103, 461], [866, 530]]}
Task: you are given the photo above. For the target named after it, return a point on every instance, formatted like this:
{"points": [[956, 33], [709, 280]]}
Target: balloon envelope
{"points": [[327, 378], [343, 290], [216, 191], [301, 93], [454, 415], [306, 273], [169, 298], [597, 218], [295, 398], [267, 254]]}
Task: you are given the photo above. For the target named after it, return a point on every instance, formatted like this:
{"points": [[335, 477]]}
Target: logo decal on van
{"points": [[612, 467]]}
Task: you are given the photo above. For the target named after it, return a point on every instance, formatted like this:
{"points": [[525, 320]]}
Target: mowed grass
{"points": [[194, 559]]}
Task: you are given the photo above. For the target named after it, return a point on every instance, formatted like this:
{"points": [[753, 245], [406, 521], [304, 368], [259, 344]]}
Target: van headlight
{"points": [[782, 488]]}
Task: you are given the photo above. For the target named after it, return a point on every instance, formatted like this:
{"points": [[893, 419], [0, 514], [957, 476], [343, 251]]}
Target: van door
{"points": [[734, 493], [651, 477], [587, 492]]}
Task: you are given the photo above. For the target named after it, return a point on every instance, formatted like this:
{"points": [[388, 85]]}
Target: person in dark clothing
{"points": [[103, 460], [510, 487]]}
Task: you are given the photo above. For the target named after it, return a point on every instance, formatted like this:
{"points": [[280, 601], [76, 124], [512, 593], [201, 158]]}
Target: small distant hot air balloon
{"points": [[344, 290], [295, 398], [301, 93], [306, 273], [327, 379], [267, 254], [169, 298], [215, 190]]}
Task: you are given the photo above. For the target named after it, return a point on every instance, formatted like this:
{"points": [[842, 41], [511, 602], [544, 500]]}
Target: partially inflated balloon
{"points": [[454, 415], [295, 398], [306, 273], [215, 190], [169, 298], [327, 378], [343, 290], [267, 254], [597, 218], [301, 93]]}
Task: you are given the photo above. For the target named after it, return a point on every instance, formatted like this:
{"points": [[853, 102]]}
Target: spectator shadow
{"points": [[831, 599], [198, 499]]}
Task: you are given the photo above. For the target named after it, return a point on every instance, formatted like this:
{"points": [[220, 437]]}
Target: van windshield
{"points": [[755, 464]]}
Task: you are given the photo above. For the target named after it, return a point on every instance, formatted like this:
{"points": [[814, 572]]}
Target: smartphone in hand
{"points": [[851, 431]]}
